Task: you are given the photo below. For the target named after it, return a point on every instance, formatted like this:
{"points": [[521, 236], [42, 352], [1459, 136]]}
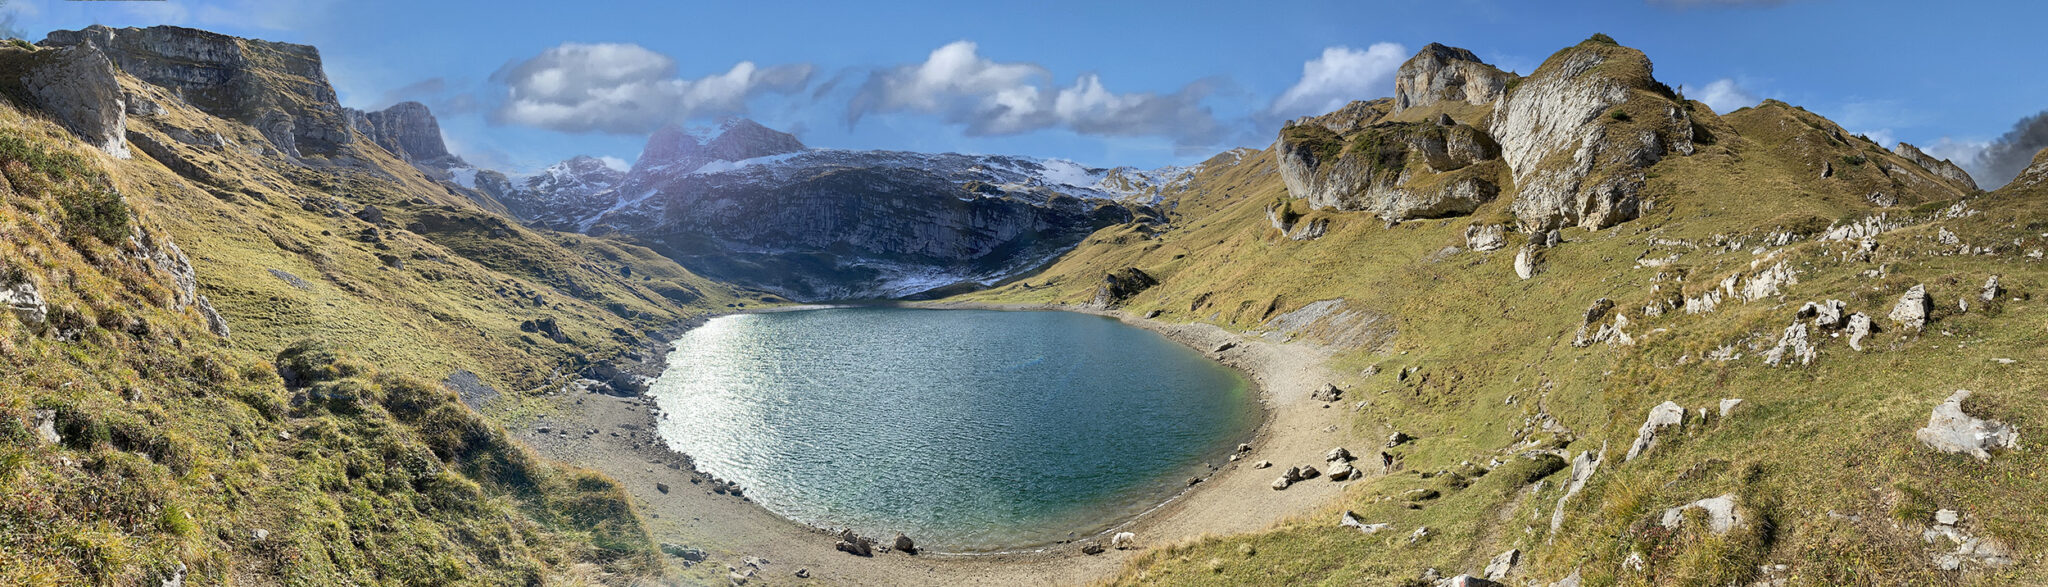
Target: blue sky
{"points": [[1104, 83]]}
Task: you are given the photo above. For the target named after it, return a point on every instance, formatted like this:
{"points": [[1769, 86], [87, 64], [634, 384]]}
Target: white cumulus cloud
{"points": [[1339, 76], [1723, 95], [629, 89], [989, 97]]}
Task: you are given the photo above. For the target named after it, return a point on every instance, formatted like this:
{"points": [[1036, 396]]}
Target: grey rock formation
{"points": [[1575, 161], [1728, 406], [1991, 290], [1120, 285], [1446, 74], [904, 545], [21, 297], [410, 131], [1502, 564], [1350, 520], [1665, 415], [1526, 262], [1792, 345], [1583, 467], [1338, 454], [76, 86], [1911, 311], [1489, 237], [1942, 168], [279, 88], [1722, 514], [1328, 393], [1826, 315], [1859, 327], [1396, 170], [1951, 430]]}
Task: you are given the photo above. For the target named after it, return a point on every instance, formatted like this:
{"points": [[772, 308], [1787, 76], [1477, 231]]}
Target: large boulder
{"points": [[22, 298], [1951, 430], [1911, 311], [1579, 131], [1447, 74], [77, 87]]}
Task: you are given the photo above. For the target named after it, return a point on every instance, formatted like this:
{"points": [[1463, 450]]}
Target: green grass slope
{"points": [[315, 444], [1480, 366]]}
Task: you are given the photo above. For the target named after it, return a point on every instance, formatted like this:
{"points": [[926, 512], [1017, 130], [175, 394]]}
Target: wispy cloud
{"points": [[988, 98], [1340, 75], [629, 89], [1723, 95]]}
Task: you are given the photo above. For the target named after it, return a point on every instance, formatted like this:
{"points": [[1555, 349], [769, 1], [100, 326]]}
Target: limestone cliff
{"points": [[1397, 170], [278, 88], [1579, 131], [408, 130], [1943, 168], [1447, 74], [77, 87]]}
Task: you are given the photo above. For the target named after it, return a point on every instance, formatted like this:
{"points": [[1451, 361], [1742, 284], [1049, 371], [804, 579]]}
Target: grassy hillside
{"points": [[1480, 366], [314, 444]]}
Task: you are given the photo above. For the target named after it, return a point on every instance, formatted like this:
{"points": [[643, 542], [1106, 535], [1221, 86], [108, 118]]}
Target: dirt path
{"points": [[1237, 498]]}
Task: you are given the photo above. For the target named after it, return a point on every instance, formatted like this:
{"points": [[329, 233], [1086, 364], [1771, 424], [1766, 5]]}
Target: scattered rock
{"points": [[1282, 483], [1490, 237], [1329, 393], [46, 426], [259, 534], [25, 301], [855, 544], [1794, 344], [1525, 262], [661, 487], [1665, 415], [1340, 471], [1826, 315], [1502, 564], [1728, 405], [1225, 346], [904, 544], [1310, 472], [1262, 464], [1911, 311], [1571, 580], [1950, 430], [1420, 533], [1398, 439], [1468, 581], [1338, 454], [1091, 548], [1351, 520], [694, 555], [1991, 289], [1947, 517], [804, 573], [1859, 327], [1722, 515]]}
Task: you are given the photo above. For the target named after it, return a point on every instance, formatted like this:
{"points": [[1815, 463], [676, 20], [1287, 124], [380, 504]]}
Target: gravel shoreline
{"points": [[684, 507]]}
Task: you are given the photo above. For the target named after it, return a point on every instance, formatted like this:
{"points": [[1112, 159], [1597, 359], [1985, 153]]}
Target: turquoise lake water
{"points": [[968, 430]]}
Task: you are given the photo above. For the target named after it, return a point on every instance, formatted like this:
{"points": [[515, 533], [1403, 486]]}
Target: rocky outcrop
{"points": [[1943, 168], [408, 130], [1397, 170], [1721, 512], [1447, 74], [21, 297], [1583, 467], [1858, 328], [1665, 415], [278, 88], [1120, 285], [1911, 311], [1951, 430], [1489, 237], [77, 87], [1578, 132]]}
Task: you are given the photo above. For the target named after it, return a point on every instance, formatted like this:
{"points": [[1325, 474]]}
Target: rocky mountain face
{"points": [[278, 88], [408, 130], [752, 205], [1567, 146]]}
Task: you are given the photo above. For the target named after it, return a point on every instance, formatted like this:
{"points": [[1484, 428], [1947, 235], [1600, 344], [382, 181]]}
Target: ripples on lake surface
{"points": [[968, 430]]}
